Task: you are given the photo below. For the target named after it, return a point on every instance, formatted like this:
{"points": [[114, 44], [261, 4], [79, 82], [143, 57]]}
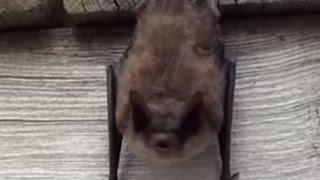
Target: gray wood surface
{"points": [[269, 6], [20, 13], [53, 118], [242, 6], [277, 101], [30, 13], [53, 150]]}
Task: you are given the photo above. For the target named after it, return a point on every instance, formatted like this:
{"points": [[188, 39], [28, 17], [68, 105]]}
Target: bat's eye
{"points": [[204, 49]]}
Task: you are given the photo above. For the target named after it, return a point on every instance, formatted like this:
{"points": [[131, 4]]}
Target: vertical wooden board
{"points": [[275, 130]]}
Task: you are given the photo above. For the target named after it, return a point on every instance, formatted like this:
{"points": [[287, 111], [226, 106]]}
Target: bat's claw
{"points": [[236, 176]]}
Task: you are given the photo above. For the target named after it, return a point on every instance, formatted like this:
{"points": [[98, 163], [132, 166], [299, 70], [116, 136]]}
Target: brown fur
{"points": [[173, 56]]}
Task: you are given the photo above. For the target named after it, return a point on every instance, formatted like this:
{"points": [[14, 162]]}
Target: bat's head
{"points": [[165, 130], [178, 28]]}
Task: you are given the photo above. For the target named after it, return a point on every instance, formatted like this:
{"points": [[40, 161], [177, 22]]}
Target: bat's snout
{"points": [[163, 144]]}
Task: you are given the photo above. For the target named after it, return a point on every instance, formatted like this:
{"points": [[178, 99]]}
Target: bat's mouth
{"points": [[163, 149], [163, 145]]}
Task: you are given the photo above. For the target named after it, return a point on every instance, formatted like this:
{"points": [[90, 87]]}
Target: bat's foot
{"points": [[236, 176]]}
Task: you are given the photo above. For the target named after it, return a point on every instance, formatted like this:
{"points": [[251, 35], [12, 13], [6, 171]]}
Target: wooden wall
{"points": [[57, 13], [53, 117]]}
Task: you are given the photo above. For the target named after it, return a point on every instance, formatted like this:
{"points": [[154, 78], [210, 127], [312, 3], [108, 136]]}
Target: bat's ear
{"points": [[213, 5], [140, 6]]}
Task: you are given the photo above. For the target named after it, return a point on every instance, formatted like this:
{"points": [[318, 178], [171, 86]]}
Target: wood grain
{"points": [[21, 13], [55, 150], [268, 6], [53, 102], [76, 6], [18, 5], [63, 47], [276, 122], [48, 13], [228, 6], [52, 93]]}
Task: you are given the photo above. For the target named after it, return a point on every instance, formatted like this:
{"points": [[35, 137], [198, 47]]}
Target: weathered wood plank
{"points": [[52, 83], [58, 75], [56, 150], [64, 47], [53, 102], [268, 6], [101, 11], [229, 6], [276, 125], [18, 5], [52, 93], [20, 13], [80, 7]]}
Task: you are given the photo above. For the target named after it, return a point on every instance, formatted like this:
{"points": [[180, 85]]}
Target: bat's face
{"points": [[167, 131], [166, 128]]}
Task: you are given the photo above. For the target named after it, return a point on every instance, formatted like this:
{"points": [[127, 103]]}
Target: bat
{"points": [[171, 90]]}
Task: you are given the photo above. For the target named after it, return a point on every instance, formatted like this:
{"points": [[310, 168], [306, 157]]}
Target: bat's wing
{"points": [[225, 132], [115, 137]]}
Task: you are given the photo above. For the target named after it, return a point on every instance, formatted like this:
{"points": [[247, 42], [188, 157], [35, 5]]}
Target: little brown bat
{"points": [[170, 90]]}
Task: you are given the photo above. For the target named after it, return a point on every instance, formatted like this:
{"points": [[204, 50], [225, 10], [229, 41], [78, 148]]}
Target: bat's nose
{"points": [[162, 146], [163, 143]]}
